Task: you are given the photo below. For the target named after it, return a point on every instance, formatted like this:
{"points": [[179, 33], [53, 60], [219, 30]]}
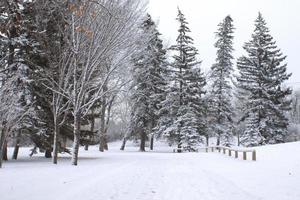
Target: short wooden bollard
{"points": [[229, 152], [224, 151], [236, 154], [212, 149], [206, 149], [219, 149], [254, 155], [244, 155]]}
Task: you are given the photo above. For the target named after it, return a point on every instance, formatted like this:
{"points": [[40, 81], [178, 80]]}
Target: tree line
{"points": [[63, 65], [173, 99], [68, 66]]}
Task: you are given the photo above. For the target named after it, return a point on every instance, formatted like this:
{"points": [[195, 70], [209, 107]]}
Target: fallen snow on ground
{"points": [[157, 175]]}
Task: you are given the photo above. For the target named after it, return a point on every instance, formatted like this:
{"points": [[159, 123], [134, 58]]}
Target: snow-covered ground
{"points": [[157, 175]]}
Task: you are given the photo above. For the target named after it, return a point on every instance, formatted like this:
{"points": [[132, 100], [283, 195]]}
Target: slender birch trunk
{"points": [[55, 142], [102, 123], [76, 139]]}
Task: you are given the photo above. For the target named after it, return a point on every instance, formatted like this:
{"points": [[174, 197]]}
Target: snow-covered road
{"points": [[158, 175]]}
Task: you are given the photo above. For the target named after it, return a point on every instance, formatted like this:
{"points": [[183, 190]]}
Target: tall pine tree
{"points": [[183, 110], [261, 75], [149, 82], [220, 98]]}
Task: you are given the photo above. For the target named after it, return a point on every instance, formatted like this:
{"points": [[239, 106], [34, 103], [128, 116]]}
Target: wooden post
{"points": [[206, 149], [212, 149], [224, 151], [236, 154], [229, 152], [244, 155], [254, 155]]}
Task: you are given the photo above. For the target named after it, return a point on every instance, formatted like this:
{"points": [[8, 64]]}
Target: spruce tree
{"points": [[183, 110], [261, 76], [149, 81], [22, 50], [220, 99]]}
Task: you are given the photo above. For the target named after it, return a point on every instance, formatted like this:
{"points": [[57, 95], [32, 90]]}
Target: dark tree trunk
{"points": [[123, 144], [102, 143], [207, 140], [4, 154], [16, 151], [218, 139], [1, 153], [48, 153], [238, 137], [1, 150], [151, 142], [105, 144], [33, 151], [2, 144], [76, 139], [143, 141], [102, 129], [17, 146]]}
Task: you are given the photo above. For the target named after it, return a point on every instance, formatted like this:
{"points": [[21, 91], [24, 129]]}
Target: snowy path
{"points": [[133, 175]]}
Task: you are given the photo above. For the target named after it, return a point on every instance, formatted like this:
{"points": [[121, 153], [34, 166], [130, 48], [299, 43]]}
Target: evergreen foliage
{"points": [[183, 110], [262, 74], [221, 111], [148, 81]]}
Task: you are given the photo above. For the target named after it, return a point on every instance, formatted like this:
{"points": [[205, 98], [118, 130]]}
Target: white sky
{"points": [[282, 16]]}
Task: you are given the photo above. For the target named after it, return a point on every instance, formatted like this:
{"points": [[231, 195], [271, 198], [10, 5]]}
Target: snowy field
{"points": [[158, 175]]}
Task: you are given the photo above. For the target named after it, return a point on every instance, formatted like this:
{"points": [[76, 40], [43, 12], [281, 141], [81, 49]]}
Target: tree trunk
{"points": [[105, 143], [151, 142], [4, 153], [17, 146], [143, 141], [1, 151], [48, 153], [238, 137], [102, 129], [55, 143], [76, 139], [102, 143], [207, 140], [123, 144], [1, 146], [218, 139], [102, 120]]}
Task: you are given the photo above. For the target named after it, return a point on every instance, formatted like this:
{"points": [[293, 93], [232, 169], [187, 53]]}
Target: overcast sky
{"points": [[282, 16]]}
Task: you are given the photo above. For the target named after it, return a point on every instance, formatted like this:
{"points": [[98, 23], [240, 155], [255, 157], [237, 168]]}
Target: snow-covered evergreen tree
{"points": [[183, 110], [261, 75], [22, 51], [220, 97], [148, 81]]}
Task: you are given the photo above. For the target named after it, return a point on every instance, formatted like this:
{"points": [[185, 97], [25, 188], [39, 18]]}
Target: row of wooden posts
{"points": [[230, 151]]}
